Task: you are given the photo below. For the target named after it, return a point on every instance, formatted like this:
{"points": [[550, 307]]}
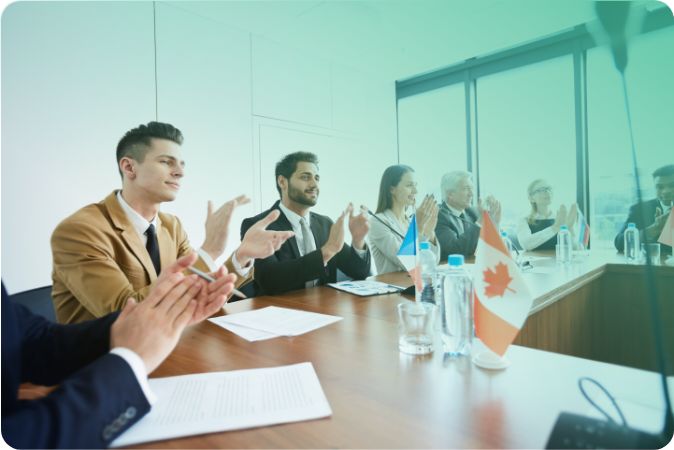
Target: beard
{"points": [[298, 196]]}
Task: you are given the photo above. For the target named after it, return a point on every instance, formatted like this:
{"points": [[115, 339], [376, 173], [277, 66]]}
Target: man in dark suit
{"points": [[650, 216], [458, 227], [317, 250], [100, 366]]}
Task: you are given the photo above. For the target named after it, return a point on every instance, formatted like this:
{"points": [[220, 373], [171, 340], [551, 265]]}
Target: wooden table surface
{"points": [[382, 398]]}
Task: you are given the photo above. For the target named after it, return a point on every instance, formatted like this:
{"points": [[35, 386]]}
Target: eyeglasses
{"points": [[547, 189]]}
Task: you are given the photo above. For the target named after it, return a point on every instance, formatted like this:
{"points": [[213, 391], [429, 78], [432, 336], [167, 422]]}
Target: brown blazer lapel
{"points": [[130, 235]]}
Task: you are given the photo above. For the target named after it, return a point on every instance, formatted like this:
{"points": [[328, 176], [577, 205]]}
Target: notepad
{"points": [[365, 288]]}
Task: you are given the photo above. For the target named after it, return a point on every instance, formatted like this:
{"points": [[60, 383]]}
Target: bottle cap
{"points": [[504, 234], [563, 227], [631, 225], [425, 245], [455, 260]]}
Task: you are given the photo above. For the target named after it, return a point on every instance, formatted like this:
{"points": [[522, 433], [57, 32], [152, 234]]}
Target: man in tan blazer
{"points": [[103, 253]]}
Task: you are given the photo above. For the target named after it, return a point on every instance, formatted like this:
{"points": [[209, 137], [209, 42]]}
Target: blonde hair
{"points": [[531, 218]]}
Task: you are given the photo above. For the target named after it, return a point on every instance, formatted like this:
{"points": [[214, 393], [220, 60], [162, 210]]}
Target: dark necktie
{"points": [[152, 247], [462, 216]]}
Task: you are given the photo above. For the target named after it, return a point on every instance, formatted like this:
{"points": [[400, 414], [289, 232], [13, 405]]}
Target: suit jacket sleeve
{"points": [[96, 388], [351, 263], [88, 409], [451, 242]]}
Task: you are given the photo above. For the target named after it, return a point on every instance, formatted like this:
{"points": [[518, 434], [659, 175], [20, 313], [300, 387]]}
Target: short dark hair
{"points": [[391, 178], [288, 165], [137, 141], [664, 171]]}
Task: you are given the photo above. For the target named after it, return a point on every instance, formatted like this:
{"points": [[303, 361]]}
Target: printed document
{"points": [[223, 401], [279, 321]]}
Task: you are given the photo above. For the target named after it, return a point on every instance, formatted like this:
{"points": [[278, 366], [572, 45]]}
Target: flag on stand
{"points": [[408, 253], [667, 234], [582, 230], [501, 297]]}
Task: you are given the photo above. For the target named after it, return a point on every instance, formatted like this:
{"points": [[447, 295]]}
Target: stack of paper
{"points": [[223, 401], [272, 321]]}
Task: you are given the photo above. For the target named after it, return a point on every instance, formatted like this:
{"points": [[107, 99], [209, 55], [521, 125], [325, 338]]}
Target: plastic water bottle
{"points": [[428, 268], [456, 309], [632, 247], [564, 245]]}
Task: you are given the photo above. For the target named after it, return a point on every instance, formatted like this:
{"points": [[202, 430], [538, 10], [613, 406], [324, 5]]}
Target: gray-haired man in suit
{"points": [[458, 228]]}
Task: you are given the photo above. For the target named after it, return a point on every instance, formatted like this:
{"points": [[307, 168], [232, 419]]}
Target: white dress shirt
{"points": [[140, 224]]}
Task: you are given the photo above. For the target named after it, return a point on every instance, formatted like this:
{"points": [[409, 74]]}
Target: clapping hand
{"points": [[258, 242], [358, 226], [217, 225], [427, 217], [572, 216], [335, 240], [561, 218]]}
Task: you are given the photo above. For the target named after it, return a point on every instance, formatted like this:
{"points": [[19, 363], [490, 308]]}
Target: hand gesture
{"points": [[427, 217], [335, 240], [659, 221], [217, 225], [572, 216], [561, 218], [358, 226], [258, 242], [493, 208], [213, 296], [152, 328]]}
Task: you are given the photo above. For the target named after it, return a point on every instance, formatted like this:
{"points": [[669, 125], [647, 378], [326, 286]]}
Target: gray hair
{"points": [[450, 181]]}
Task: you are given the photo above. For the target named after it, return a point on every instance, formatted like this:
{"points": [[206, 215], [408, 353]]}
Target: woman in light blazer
{"points": [[397, 193]]}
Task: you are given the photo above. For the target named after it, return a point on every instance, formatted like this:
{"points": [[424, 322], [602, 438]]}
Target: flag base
{"points": [[486, 359]]}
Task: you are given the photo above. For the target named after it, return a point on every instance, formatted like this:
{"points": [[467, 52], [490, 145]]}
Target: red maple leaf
{"points": [[497, 281]]}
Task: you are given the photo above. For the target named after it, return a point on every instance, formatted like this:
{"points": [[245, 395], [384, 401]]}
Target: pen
{"points": [[210, 279]]}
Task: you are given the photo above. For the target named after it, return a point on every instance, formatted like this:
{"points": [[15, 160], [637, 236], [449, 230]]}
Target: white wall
{"points": [[77, 75]]}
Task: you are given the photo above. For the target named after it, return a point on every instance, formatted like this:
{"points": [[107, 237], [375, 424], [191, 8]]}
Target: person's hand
{"points": [[213, 296], [427, 217], [335, 240], [152, 328], [659, 221], [258, 242], [492, 207], [572, 216], [358, 226], [560, 219], [217, 226]]}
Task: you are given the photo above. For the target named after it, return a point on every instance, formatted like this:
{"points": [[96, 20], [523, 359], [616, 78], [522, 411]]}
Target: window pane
{"points": [[526, 130], [432, 135], [649, 83]]}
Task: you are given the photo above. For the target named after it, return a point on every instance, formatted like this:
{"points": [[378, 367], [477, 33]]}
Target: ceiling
{"points": [[395, 39]]}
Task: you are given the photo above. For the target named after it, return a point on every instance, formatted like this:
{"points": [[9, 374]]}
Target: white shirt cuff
{"points": [[361, 253], [240, 270], [207, 259], [139, 370]]}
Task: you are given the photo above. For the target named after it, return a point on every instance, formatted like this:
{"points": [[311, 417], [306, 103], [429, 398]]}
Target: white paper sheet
{"points": [[280, 321], [248, 334], [223, 401]]}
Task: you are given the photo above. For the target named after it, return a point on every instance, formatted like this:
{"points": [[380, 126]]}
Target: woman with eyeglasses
{"points": [[397, 192], [538, 231]]}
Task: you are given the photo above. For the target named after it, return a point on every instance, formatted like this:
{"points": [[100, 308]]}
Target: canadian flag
{"points": [[501, 298]]}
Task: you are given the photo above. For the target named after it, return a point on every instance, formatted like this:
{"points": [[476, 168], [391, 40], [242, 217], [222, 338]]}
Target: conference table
{"points": [[382, 398]]}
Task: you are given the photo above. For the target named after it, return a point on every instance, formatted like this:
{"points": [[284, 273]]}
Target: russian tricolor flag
{"points": [[408, 253], [582, 230]]}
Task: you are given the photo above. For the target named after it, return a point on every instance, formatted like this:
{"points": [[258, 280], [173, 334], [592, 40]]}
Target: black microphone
{"points": [[613, 17], [576, 431], [386, 225]]}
